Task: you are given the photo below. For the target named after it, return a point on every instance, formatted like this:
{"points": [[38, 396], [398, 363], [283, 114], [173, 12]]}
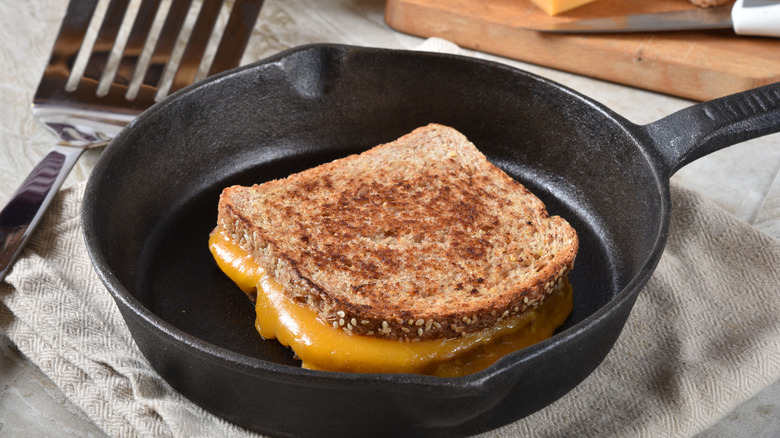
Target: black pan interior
{"points": [[158, 186]]}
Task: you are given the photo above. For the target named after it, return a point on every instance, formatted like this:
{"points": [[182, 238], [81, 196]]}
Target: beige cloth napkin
{"points": [[704, 336]]}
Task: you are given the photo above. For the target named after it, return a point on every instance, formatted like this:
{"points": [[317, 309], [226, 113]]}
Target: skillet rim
{"points": [[243, 363]]}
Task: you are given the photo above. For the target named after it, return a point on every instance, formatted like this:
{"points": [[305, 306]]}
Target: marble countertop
{"points": [[742, 180]]}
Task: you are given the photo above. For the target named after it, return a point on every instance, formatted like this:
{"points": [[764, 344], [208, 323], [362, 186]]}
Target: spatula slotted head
{"points": [[123, 55]]}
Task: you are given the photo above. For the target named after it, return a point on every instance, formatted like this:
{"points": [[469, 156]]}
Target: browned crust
{"points": [[421, 238]]}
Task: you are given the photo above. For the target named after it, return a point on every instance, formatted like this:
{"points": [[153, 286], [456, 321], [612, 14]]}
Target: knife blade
{"points": [[746, 17]]}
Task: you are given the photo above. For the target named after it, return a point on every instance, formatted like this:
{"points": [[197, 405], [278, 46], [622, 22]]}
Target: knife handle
{"points": [[756, 17]]}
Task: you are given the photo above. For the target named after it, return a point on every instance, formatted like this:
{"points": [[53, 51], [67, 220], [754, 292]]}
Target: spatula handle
{"points": [[26, 207]]}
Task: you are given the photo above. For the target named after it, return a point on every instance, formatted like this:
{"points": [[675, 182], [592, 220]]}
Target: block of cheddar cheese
{"points": [[554, 7]]}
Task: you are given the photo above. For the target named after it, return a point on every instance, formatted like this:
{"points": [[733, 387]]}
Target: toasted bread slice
{"points": [[419, 238]]}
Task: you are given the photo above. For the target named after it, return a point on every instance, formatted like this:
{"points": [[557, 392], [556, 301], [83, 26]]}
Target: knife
{"points": [[747, 17]]}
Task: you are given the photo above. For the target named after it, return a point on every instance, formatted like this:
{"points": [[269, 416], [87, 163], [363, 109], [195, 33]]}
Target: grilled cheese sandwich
{"points": [[432, 280]]}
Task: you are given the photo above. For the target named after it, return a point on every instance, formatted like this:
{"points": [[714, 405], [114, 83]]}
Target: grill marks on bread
{"points": [[420, 238]]}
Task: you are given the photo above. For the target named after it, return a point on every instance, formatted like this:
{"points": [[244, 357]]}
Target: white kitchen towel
{"points": [[703, 337]]}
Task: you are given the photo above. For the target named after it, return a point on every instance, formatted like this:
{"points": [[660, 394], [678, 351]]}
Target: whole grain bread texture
{"points": [[421, 238]]}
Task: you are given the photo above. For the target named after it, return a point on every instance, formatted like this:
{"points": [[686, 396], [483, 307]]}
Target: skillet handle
{"points": [[701, 129]]}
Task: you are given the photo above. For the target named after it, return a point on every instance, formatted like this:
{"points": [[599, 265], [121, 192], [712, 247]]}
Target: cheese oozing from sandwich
{"points": [[325, 346]]}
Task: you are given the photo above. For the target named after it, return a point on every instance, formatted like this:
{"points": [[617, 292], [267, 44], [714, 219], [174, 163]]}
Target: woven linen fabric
{"points": [[703, 337]]}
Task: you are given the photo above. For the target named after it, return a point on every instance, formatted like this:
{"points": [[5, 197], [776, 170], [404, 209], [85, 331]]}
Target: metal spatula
{"points": [[89, 109]]}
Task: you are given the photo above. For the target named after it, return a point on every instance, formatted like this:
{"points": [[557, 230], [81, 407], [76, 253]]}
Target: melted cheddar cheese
{"points": [[320, 346]]}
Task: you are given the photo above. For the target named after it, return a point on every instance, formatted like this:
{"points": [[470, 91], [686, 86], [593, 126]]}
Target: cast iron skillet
{"points": [[151, 202]]}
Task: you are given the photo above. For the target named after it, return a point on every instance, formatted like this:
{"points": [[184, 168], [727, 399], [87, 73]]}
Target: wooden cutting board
{"points": [[699, 65]]}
